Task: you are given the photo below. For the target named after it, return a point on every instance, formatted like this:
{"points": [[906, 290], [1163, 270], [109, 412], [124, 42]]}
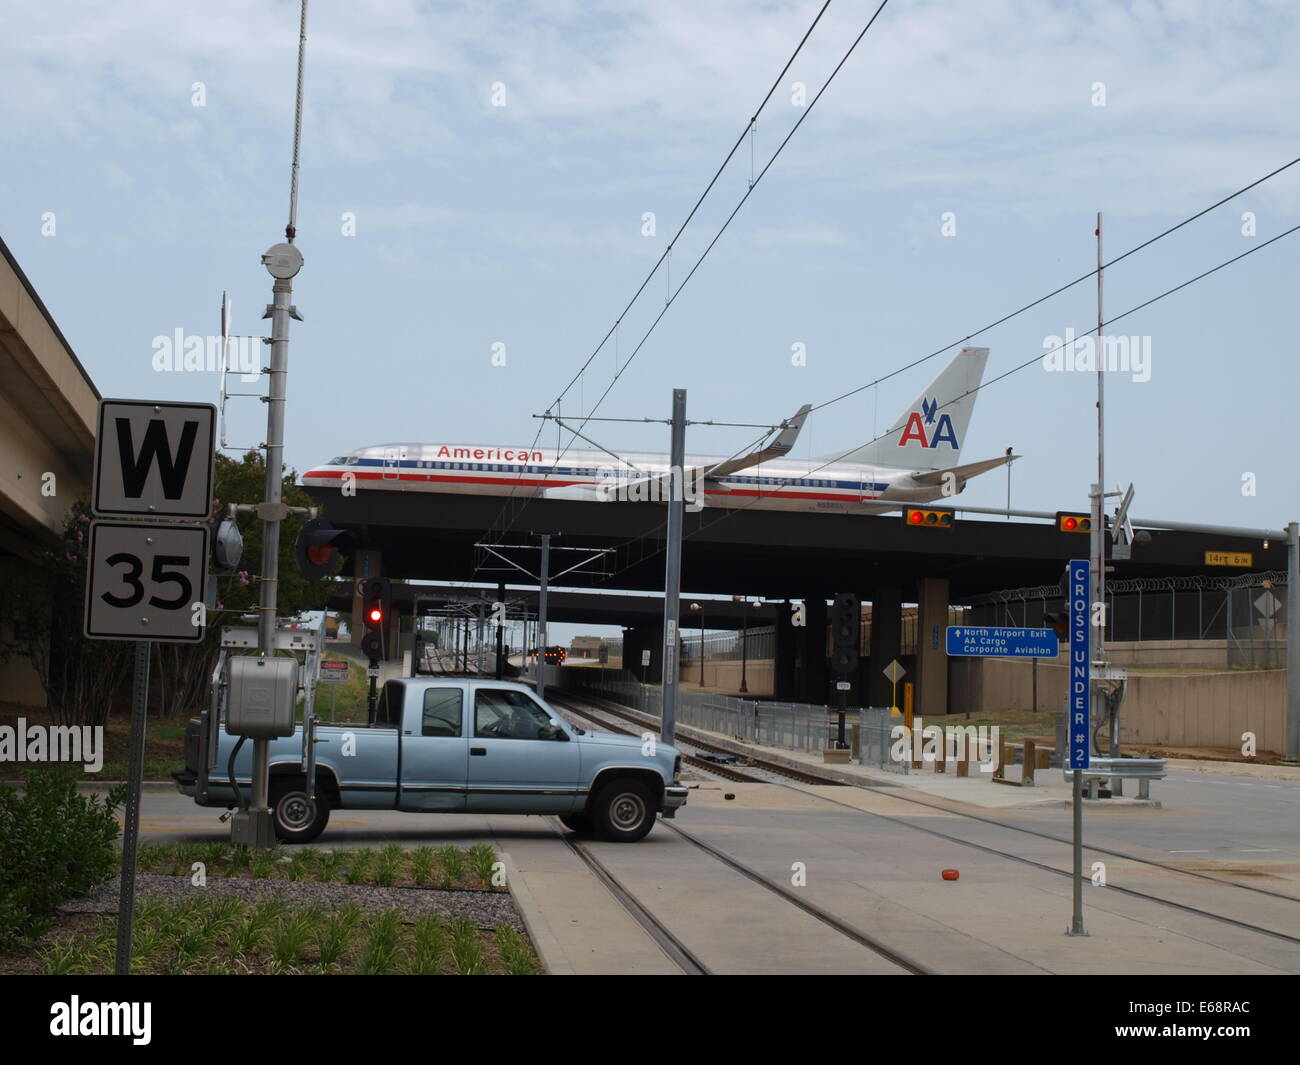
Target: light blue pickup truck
{"points": [[448, 746]]}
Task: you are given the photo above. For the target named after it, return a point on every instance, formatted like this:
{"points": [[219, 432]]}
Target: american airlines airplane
{"points": [[917, 461]]}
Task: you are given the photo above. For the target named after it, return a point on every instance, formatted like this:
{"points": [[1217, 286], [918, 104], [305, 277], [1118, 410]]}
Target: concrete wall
{"points": [[725, 676], [1177, 709]]}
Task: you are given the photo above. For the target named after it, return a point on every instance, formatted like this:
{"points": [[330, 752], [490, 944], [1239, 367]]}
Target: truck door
{"points": [[434, 749], [518, 761]]}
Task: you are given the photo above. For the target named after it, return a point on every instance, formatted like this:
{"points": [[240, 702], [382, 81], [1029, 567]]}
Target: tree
{"points": [[43, 609]]}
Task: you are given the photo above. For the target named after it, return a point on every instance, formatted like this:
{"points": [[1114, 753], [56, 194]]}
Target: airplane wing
{"points": [[778, 448], [658, 487], [962, 473]]}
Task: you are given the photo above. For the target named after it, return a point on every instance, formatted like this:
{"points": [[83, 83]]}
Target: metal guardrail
{"points": [[1143, 770]]}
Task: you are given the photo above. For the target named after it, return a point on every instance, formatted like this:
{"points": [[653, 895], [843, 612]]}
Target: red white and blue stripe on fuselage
{"points": [[523, 472]]}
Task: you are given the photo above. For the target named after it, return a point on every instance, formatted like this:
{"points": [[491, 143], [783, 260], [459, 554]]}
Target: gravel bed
{"points": [[486, 909]]}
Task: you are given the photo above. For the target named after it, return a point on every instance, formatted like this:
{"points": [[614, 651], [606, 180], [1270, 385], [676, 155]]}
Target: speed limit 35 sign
{"points": [[146, 581]]}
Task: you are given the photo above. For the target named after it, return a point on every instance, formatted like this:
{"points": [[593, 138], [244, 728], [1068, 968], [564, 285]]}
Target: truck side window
{"points": [[442, 712], [388, 707], [510, 715]]}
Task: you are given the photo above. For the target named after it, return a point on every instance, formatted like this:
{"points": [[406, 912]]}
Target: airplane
{"points": [[915, 462]]}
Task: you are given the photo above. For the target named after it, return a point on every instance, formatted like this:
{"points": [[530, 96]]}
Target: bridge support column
{"points": [[784, 680], [886, 643], [931, 651], [813, 681]]}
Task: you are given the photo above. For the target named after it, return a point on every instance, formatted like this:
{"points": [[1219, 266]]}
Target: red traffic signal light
{"points": [[928, 517], [1073, 523], [375, 592]]}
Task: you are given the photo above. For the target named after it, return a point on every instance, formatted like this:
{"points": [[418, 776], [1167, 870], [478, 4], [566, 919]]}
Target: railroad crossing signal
{"points": [[318, 545], [928, 517]]}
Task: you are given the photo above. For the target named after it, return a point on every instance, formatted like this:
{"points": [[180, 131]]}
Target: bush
{"points": [[54, 845]]}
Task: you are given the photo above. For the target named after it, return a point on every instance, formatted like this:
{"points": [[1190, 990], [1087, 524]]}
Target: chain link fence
{"points": [[1247, 612], [789, 726]]}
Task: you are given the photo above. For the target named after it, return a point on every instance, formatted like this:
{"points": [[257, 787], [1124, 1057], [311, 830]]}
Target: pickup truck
{"points": [[447, 745]]}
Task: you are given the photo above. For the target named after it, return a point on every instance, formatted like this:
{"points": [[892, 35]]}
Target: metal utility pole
{"points": [[283, 261], [1099, 502], [541, 615], [1292, 744], [501, 628], [673, 566], [478, 640]]}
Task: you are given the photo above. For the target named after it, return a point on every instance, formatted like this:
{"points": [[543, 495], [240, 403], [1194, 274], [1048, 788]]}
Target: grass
{"points": [[449, 867], [208, 935]]}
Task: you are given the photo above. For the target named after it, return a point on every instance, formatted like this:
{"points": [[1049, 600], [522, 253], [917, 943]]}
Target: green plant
{"points": [[515, 955], [332, 938], [54, 845], [481, 860], [379, 954], [466, 952], [422, 864], [388, 866], [262, 863], [453, 864], [301, 864], [291, 936], [429, 937], [359, 866]]}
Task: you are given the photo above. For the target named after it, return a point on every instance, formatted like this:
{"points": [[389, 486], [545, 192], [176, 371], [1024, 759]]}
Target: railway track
{"points": [[668, 942], [641, 720]]}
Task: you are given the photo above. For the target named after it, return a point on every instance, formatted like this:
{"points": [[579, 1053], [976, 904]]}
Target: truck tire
{"points": [[297, 818], [577, 823], [623, 811]]}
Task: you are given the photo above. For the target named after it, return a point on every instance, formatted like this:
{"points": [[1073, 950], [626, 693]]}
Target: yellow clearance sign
{"points": [[1229, 558]]}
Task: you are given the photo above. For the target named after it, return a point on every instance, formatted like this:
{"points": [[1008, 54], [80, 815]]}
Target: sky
{"points": [[476, 180]]}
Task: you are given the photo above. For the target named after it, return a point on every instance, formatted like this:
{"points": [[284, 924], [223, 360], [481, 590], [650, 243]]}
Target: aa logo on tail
{"points": [[942, 432]]}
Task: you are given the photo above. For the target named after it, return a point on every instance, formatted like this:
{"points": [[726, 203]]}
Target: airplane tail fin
{"points": [[929, 434]]}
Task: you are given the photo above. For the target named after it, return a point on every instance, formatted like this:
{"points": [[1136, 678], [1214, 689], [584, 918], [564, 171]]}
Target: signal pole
{"points": [[283, 261]]}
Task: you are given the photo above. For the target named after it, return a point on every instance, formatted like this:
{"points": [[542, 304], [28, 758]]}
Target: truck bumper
{"points": [[674, 798]]}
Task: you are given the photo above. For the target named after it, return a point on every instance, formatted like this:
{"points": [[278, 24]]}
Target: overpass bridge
{"points": [[770, 554], [47, 435]]}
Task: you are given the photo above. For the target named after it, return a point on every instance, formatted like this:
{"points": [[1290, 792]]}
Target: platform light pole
{"points": [[1292, 737]]}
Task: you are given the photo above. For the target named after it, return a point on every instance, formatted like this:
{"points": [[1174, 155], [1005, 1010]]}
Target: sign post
{"points": [[147, 580], [1079, 715]]}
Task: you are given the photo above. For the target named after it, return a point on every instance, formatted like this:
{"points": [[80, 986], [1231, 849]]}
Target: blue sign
{"points": [[1080, 700], [977, 642]]}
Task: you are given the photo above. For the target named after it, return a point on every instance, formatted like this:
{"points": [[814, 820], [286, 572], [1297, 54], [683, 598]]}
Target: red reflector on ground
{"points": [[950, 874]]}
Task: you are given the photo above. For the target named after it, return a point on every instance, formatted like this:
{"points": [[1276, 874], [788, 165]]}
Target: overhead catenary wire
{"points": [[729, 512], [1057, 291], [667, 252]]}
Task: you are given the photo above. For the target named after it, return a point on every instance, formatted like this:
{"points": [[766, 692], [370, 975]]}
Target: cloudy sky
{"points": [[148, 143]]}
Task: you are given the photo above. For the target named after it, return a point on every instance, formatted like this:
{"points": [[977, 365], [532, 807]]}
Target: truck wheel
{"points": [[297, 818], [577, 822], [624, 811]]}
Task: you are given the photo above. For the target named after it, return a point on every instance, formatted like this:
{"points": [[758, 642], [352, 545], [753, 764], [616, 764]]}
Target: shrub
{"points": [[54, 845]]}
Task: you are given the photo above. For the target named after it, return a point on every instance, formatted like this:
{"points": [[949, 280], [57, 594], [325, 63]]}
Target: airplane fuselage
{"points": [[492, 470]]}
